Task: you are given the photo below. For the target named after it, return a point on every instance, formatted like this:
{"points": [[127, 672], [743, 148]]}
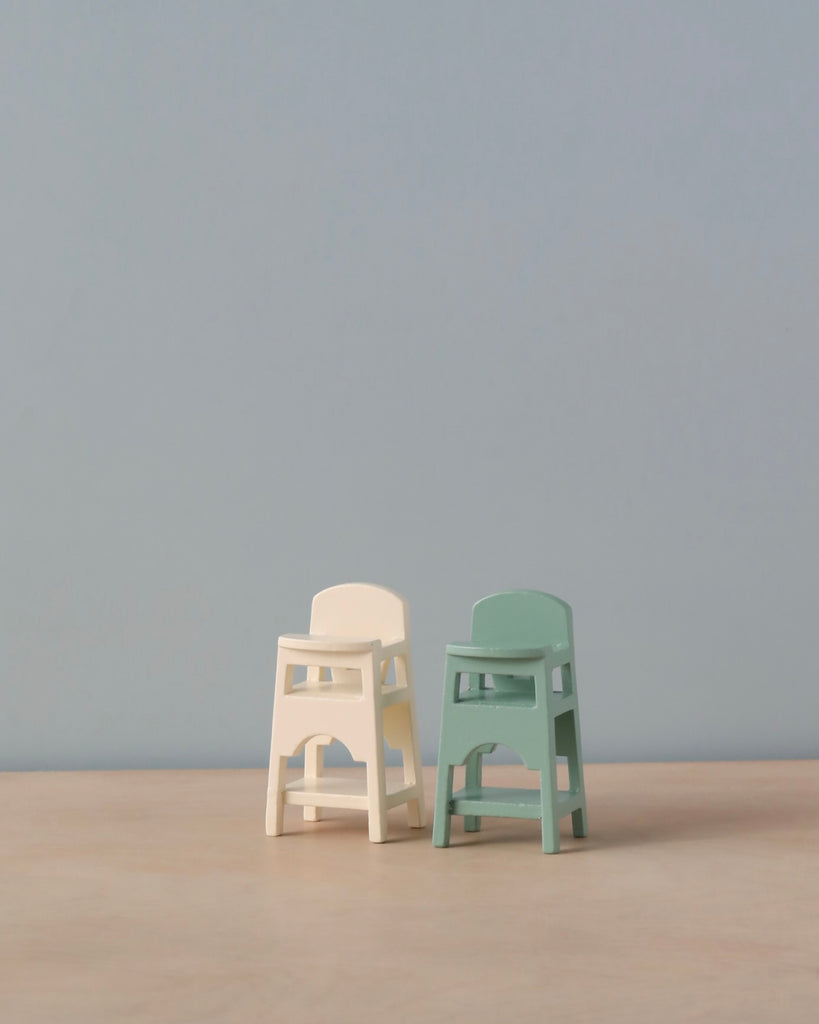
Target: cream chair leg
{"points": [[377, 793], [274, 814], [376, 776], [314, 748], [314, 768], [410, 748], [276, 778], [398, 733]]}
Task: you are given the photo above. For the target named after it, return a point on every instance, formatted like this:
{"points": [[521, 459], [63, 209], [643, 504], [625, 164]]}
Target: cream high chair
{"points": [[356, 630]]}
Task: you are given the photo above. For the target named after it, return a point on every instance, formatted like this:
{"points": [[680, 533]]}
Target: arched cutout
{"points": [[338, 755], [503, 755]]}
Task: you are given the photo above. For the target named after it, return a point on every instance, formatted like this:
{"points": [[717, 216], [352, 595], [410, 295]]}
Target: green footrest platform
{"points": [[500, 802]]}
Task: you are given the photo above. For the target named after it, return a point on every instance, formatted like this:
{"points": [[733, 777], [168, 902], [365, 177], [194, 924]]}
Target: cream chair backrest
{"points": [[360, 610]]}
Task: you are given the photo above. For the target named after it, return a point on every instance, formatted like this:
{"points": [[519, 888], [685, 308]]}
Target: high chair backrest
{"points": [[522, 618], [360, 610]]}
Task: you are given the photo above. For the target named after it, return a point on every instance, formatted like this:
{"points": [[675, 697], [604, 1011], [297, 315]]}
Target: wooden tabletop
{"points": [[156, 897]]}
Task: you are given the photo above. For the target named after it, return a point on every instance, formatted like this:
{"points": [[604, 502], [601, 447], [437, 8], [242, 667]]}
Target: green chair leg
{"points": [[551, 834], [580, 825], [550, 821], [474, 772], [569, 746], [474, 766], [443, 812], [548, 808]]}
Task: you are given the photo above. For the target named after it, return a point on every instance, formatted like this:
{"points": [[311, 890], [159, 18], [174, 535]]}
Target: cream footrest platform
{"points": [[334, 791]]}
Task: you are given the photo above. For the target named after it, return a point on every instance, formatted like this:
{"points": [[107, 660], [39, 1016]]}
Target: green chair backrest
{"points": [[522, 618]]}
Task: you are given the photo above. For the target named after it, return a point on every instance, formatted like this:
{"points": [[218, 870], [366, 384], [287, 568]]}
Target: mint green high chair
{"points": [[519, 639]]}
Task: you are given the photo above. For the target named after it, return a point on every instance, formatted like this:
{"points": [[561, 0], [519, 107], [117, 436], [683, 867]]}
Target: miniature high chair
{"points": [[356, 630], [519, 638]]}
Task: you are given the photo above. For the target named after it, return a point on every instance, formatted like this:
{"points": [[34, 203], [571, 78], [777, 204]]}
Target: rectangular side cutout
{"points": [[557, 680]]}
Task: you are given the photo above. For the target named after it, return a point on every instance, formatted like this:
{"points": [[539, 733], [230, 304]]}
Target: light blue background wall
{"points": [[285, 285]]}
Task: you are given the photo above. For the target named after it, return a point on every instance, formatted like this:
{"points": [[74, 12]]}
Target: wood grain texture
{"points": [[157, 897]]}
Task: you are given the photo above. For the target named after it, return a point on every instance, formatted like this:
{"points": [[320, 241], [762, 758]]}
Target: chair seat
{"points": [[467, 649], [346, 690], [523, 697], [317, 642], [520, 695]]}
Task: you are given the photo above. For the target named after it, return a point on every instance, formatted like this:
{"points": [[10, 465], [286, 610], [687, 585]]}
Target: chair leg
{"points": [[580, 825], [399, 733], [548, 808], [550, 821], [274, 813], [415, 808], [442, 822], [376, 775], [314, 768], [276, 778], [409, 742], [377, 796], [567, 732], [474, 763], [474, 776], [474, 766]]}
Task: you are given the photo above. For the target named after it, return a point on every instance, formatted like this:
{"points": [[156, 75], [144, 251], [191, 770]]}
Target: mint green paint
{"points": [[519, 638]]}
